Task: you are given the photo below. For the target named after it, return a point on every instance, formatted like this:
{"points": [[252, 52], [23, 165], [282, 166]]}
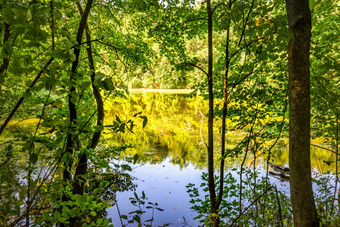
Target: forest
{"points": [[236, 102]]}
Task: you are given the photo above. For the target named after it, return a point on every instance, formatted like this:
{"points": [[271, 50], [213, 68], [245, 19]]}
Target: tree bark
{"points": [[72, 106], [299, 19], [82, 164], [224, 115], [211, 182]]}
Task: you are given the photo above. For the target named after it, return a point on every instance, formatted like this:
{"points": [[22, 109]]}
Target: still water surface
{"points": [[172, 153]]}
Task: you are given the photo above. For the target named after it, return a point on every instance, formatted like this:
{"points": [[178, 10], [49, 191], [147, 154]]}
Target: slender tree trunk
{"points": [[211, 117], [299, 19], [224, 116], [70, 143], [82, 164]]}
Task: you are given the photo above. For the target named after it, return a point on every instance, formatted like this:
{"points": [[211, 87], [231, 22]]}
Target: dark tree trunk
{"points": [[224, 116], [211, 183], [299, 19], [81, 169], [72, 140], [70, 144]]}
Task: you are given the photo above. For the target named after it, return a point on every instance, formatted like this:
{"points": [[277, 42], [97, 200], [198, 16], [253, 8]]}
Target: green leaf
{"points": [[145, 120], [96, 191], [67, 157], [58, 103], [135, 158], [122, 127], [136, 218], [100, 221], [54, 197], [131, 126], [45, 216], [8, 16], [107, 84], [99, 76], [33, 158], [328, 162], [7, 49], [118, 119], [73, 57], [2, 78], [57, 215], [20, 15], [136, 114], [126, 167], [29, 14]]}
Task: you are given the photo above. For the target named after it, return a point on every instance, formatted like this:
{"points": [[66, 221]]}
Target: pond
{"points": [[171, 153]]}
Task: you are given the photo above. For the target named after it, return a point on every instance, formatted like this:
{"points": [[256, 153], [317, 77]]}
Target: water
{"points": [[164, 183], [172, 154]]}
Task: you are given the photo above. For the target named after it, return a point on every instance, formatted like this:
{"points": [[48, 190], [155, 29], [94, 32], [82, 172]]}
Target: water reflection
{"points": [[164, 183], [172, 152], [177, 130]]}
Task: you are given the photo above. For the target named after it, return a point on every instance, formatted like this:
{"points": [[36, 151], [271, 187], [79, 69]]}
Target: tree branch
{"points": [[3, 126], [245, 23], [193, 65]]}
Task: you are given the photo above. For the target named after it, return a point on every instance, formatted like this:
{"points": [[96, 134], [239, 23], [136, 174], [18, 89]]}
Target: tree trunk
{"points": [[211, 118], [81, 168], [70, 143], [299, 19]]}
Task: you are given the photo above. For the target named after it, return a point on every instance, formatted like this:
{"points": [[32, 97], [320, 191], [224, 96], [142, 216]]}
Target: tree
{"points": [[44, 68], [299, 20]]}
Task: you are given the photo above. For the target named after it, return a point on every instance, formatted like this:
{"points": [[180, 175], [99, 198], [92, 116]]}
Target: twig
{"points": [[245, 23], [201, 134], [120, 218], [218, 5], [325, 148], [279, 204], [193, 65], [336, 160]]}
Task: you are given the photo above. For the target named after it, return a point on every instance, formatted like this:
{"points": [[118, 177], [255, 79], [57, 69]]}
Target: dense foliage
{"points": [[63, 63]]}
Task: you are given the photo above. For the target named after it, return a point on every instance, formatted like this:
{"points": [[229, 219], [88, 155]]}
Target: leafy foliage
{"points": [[149, 43], [260, 204]]}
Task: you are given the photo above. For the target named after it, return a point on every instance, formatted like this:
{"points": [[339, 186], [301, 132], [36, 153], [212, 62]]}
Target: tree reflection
{"points": [[174, 132]]}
